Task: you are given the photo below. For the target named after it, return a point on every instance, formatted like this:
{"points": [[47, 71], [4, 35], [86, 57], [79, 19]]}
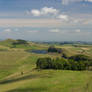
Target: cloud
{"points": [[50, 10], [30, 23], [42, 12], [54, 30], [63, 17], [43, 23], [66, 2], [35, 12], [89, 0]]}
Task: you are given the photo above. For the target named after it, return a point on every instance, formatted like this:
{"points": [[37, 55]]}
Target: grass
{"points": [[17, 60], [8, 43], [9, 60], [13, 61], [49, 81]]}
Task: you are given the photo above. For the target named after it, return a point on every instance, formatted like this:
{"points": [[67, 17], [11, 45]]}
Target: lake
{"points": [[38, 51]]}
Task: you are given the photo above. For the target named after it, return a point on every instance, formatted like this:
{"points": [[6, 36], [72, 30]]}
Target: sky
{"points": [[46, 20]]}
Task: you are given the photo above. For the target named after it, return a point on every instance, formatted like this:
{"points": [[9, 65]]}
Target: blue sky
{"points": [[46, 20]]}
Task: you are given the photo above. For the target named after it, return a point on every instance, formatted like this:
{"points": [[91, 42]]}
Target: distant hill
{"points": [[7, 42], [12, 43], [22, 44]]}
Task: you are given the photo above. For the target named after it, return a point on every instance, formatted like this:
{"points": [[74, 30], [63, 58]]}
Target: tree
{"points": [[43, 63], [80, 57], [62, 63], [52, 49], [19, 41]]}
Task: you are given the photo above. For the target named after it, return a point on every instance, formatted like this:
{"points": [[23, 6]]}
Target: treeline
{"points": [[77, 62], [67, 42]]}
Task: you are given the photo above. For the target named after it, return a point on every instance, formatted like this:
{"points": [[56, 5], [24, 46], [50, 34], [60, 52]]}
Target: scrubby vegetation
{"points": [[77, 62]]}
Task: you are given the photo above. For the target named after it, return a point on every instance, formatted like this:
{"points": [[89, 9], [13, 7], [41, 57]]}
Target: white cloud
{"points": [[7, 30], [54, 30], [43, 11], [35, 12], [66, 2], [63, 17], [50, 10]]}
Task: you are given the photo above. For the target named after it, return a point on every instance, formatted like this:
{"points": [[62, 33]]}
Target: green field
{"points": [[14, 61]]}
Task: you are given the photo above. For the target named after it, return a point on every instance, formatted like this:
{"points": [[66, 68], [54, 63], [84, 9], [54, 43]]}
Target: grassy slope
{"points": [[49, 81], [31, 45], [9, 60], [15, 61], [44, 80]]}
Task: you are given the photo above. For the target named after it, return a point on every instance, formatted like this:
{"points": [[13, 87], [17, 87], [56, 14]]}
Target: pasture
{"points": [[18, 73]]}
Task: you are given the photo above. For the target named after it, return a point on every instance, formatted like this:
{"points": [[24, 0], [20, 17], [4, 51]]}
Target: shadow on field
{"points": [[19, 79], [28, 90]]}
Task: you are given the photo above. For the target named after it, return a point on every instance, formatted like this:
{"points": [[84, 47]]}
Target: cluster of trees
{"points": [[52, 49], [80, 57], [64, 64], [19, 41]]}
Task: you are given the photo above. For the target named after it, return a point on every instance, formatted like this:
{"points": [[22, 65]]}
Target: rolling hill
{"points": [[18, 71]]}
